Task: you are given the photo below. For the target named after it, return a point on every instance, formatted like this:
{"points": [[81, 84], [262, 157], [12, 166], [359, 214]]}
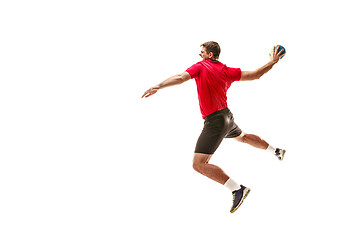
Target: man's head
{"points": [[210, 50]]}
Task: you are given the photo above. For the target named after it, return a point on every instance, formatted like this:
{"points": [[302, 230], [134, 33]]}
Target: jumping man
{"points": [[213, 79]]}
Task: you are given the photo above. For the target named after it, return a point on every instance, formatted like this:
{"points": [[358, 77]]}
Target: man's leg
{"points": [[252, 140], [214, 131], [201, 165], [258, 142]]}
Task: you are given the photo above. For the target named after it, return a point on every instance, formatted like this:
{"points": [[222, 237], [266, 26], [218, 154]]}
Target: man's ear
{"points": [[211, 55]]}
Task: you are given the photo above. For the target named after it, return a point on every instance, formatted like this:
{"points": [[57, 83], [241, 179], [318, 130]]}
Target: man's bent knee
{"points": [[200, 159], [197, 167], [242, 137]]}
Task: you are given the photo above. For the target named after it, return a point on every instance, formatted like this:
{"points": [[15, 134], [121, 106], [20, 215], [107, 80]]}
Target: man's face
{"points": [[205, 55]]}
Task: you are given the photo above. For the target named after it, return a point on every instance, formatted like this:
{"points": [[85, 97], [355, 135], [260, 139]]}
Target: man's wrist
{"points": [[273, 62]]}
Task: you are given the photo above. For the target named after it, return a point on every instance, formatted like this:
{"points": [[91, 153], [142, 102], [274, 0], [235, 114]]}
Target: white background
{"points": [[82, 156]]}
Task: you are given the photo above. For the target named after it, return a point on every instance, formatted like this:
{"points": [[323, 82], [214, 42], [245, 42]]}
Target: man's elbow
{"points": [[184, 77], [257, 75], [250, 75], [180, 79]]}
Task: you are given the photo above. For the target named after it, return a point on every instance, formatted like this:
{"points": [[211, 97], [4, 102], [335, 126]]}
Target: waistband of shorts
{"points": [[214, 114]]}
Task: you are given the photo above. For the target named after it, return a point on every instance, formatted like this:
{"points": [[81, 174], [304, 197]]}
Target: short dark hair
{"points": [[213, 47]]}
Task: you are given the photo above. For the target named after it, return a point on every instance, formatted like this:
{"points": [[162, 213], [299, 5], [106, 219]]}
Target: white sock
{"points": [[232, 185], [271, 149]]}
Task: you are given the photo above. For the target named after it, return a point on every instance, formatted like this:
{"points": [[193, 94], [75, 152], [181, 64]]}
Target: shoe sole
{"points": [[246, 191], [282, 155]]}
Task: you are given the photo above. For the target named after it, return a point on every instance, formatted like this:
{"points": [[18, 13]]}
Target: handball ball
{"points": [[280, 48]]}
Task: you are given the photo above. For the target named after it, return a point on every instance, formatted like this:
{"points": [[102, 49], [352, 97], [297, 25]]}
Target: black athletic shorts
{"points": [[217, 126]]}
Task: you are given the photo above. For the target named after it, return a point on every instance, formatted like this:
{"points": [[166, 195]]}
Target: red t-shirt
{"points": [[213, 79]]}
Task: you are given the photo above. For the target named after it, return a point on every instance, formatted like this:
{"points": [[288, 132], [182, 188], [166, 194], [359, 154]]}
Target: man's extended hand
{"points": [[171, 81], [150, 92]]}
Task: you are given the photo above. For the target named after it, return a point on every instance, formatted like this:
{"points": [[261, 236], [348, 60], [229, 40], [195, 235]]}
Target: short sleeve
{"points": [[235, 73], [194, 70]]}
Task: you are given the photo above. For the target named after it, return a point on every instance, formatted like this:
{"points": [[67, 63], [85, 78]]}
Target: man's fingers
{"points": [[148, 93], [275, 50]]}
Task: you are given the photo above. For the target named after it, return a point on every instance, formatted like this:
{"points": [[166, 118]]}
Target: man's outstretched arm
{"points": [[253, 75], [171, 81]]}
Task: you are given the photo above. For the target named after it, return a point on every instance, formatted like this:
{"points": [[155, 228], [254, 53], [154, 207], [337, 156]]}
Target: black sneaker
{"points": [[279, 153], [238, 197]]}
